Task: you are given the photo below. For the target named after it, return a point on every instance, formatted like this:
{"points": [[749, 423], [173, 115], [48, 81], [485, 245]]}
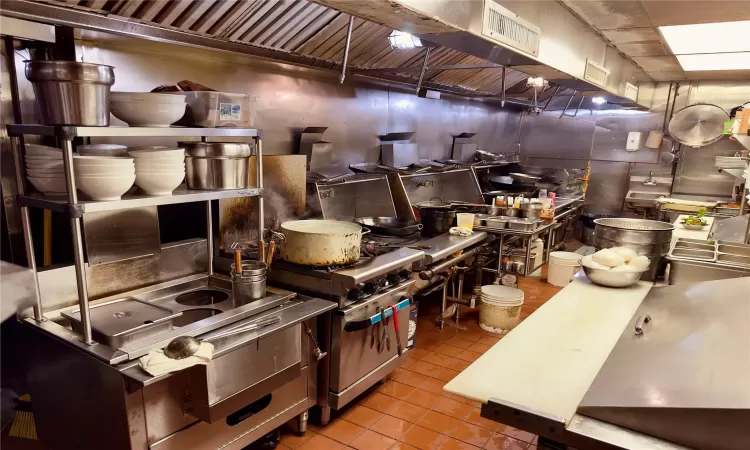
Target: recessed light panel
{"points": [[715, 61], [710, 46], [722, 37]]}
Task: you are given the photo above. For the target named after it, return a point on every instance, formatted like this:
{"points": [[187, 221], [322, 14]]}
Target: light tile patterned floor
{"points": [[411, 410]]}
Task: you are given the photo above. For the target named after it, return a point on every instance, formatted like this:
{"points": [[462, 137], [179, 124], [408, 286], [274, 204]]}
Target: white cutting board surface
{"points": [[548, 362], [681, 232]]}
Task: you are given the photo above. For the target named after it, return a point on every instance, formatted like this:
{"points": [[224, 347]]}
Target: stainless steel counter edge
{"points": [[563, 202], [291, 314], [232, 317], [582, 432], [444, 245], [148, 293], [510, 232]]}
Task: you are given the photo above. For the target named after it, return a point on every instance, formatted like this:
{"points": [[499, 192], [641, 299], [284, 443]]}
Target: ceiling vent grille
{"points": [[505, 27], [631, 91], [595, 73]]}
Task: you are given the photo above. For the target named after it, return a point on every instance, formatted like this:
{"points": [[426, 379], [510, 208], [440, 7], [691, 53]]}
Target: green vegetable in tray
{"points": [[696, 219]]}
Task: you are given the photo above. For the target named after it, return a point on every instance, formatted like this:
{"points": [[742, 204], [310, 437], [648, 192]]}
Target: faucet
{"points": [[650, 180]]}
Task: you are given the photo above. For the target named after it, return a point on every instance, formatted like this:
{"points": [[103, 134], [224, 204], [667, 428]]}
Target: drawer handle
{"points": [[248, 411]]}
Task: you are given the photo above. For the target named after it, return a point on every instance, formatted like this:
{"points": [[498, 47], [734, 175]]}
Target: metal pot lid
{"points": [[698, 125]]}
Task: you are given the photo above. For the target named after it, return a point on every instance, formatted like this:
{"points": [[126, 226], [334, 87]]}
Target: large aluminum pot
{"points": [[216, 172], [646, 237], [321, 242], [71, 93], [211, 149]]}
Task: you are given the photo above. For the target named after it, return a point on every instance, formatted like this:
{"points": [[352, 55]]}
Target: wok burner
{"points": [[202, 297]]}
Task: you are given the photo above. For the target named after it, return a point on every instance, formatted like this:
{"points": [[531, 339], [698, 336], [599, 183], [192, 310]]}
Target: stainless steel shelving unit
{"points": [[76, 208], [527, 237]]}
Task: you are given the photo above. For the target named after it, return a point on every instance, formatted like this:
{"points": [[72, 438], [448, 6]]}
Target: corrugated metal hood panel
{"points": [[296, 28], [566, 43]]}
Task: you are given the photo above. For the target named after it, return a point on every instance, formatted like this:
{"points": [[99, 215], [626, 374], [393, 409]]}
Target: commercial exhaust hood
{"points": [[543, 39]]}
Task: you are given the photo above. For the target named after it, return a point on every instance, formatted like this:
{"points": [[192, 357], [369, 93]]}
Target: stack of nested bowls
{"points": [[104, 177], [44, 168], [216, 165], [158, 170]]}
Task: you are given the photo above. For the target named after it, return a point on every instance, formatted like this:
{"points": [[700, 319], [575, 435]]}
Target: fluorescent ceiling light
{"points": [[723, 37], [715, 61], [403, 41]]}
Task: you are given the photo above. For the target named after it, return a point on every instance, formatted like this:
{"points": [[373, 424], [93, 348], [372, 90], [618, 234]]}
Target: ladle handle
{"points": [[238, 261], [249, 327]]}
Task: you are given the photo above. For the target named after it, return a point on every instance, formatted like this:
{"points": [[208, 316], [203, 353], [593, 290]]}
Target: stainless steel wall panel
{"points": [[117, 235], [58, 285]]}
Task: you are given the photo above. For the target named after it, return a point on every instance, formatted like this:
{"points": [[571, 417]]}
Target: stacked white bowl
{"points": [[104, 177], [102, 150], [159, 171], [44, 168]]}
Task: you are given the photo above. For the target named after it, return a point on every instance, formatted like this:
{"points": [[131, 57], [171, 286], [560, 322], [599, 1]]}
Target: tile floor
{"points": [[411, 410]]}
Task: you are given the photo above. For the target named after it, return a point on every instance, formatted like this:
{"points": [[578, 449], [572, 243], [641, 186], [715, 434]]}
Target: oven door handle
{"points": [[359, 325]]}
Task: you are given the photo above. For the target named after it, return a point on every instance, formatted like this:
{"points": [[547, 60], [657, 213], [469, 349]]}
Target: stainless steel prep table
{"points": [[445, 245], [506, 234], [256, 381], [684, 318]]}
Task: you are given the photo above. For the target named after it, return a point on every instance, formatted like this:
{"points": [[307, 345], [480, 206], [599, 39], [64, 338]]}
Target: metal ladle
{"points": [[186, 346]]}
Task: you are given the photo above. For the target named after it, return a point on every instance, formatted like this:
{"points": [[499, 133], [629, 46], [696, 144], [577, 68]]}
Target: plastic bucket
{"points": [[500, 310], [562, 267]]}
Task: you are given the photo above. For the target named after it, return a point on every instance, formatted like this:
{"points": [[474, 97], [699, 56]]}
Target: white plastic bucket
{"points": [[562, 267], [500, 310]]}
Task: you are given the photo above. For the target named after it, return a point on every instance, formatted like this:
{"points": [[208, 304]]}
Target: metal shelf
{"points": [[180, 195], [510, 232], [69, 132]]}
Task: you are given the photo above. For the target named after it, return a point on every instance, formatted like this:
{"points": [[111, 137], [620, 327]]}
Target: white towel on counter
{"points": [[156, 363], [460, 231]]}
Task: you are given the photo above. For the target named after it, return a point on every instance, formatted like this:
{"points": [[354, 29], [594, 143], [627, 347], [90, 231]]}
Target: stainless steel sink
{"points": [[645, 195], [643, 198]]}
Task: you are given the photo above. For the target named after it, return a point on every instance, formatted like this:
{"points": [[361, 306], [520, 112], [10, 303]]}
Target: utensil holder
{"points": [[250, 284]]}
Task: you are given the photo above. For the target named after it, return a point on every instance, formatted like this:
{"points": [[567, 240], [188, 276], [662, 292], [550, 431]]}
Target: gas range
{"points": [[369, 276]]}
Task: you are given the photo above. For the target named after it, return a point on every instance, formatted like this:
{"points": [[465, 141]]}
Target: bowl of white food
{"points": [[615, 267]]}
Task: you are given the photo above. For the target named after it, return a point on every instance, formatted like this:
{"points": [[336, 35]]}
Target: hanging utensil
{"points": [[186, 346], [698, 125]]}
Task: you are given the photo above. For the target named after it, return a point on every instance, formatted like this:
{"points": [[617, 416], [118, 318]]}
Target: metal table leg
{"points": [[80, 264], [501, 243], [302, 423], [15, 143]]}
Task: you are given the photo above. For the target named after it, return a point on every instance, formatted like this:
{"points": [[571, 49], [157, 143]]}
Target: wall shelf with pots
{"points": [[69, 203]]}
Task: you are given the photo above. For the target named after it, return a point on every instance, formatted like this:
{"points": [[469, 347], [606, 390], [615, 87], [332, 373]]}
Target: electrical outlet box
{"points": [[634, 141]]}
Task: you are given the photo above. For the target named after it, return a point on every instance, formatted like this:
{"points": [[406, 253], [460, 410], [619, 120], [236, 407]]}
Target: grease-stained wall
{"points": [[291, 98]]}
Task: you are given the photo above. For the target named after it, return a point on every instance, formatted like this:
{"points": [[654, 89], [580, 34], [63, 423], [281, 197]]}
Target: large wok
{"points": [[389, 226]]}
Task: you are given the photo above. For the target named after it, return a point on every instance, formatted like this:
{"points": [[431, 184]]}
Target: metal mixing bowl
{"points": [[611, 279]]}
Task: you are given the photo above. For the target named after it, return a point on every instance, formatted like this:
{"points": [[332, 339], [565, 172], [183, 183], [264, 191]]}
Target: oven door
{"points": [[352, 357]]}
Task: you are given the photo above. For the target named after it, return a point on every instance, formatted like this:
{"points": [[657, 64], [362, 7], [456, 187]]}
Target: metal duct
{"points": [[544, 40]]}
